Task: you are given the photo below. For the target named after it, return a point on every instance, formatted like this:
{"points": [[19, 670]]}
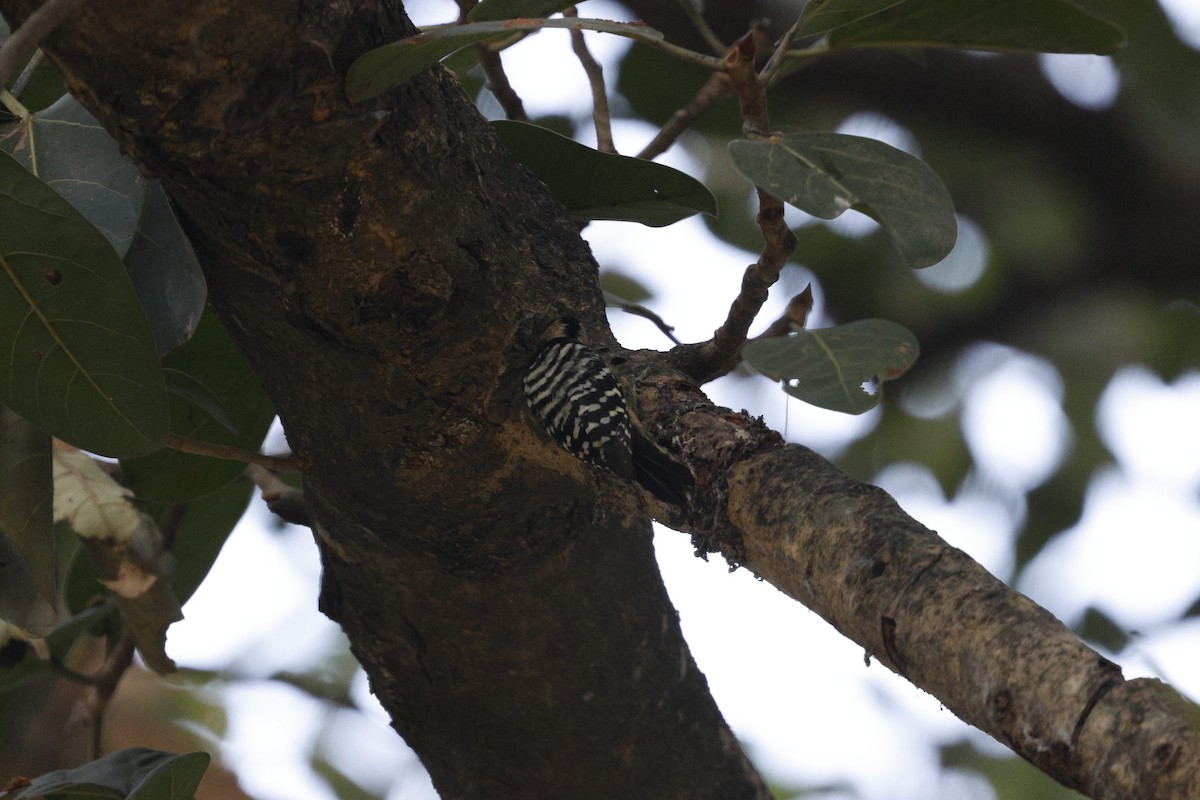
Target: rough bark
{"points": [[924, 609], [386, 269]]}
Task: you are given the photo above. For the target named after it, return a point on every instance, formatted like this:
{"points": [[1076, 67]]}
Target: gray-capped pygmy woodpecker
{"points": [[580, 403]]}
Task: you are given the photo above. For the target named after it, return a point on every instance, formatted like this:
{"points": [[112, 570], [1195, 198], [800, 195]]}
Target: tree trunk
{"points": [[387, 268]]}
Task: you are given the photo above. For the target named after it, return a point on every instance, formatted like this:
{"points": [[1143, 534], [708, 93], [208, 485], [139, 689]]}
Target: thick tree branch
{"points": [[931, 614], [922, 608]]}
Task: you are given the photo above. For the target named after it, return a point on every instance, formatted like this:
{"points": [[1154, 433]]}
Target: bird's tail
{"points": [[658, 472]]}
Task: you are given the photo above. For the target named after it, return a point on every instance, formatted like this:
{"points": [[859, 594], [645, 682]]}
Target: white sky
{"points": [[1185, 17], [796, 692]]}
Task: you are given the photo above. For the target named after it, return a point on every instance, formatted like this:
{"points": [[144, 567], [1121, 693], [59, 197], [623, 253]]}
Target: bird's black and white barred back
{"points": [[578, 400], [572, 392]]}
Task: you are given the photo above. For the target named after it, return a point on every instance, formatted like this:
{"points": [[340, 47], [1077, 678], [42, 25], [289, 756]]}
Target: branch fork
{"points": [[720, 355]]}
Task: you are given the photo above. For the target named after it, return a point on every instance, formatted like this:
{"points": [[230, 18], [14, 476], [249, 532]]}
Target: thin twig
{"points": [[498, 85], [595, 76], [683, 54], [103, 685], [714, 89], [637, 310], [696, 17], [27, 74], [289, 463], [169, 522], [286, 502], [62, 670], [767, 74], [19, 46], [797, 59], [793, 318], [636, 31], [718, 356], [493, 70]]}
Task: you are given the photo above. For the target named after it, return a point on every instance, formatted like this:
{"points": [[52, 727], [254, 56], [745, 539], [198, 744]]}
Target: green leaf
{"points": [[28, 565], [460, 63], [826, 173], [825, 15], [211, 360], [595, 185], [79, 358], [490, 10], [165, 272], [828, 367], [124, 774], [206, 524], [176, 779], [1047, 26], [383, 68], [181, 384], [67, 148]]}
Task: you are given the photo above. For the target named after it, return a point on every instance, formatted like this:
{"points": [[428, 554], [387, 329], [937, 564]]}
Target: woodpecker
{"points": [[578, 401]]}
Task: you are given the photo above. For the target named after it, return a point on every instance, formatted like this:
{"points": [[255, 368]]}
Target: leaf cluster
{"points": [[110, 350], [821, 173]]}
